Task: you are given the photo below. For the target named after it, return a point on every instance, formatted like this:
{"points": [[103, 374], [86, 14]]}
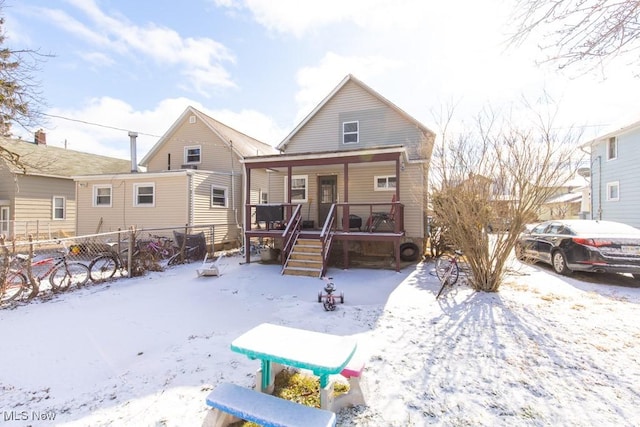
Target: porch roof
{"points": [[363, 155]]}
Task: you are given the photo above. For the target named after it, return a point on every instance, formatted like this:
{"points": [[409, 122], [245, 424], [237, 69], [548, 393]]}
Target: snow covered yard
{"points": [[545, 350]]}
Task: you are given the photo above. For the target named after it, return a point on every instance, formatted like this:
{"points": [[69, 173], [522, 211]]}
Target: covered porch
{"points": [[342, 210]]}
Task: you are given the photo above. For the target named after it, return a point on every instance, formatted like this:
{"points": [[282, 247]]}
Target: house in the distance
{"points": [[193, 177], [613, 171], [37, 191]]}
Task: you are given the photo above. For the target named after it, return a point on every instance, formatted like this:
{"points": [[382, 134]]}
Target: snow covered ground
{"points": [[545, 350]]}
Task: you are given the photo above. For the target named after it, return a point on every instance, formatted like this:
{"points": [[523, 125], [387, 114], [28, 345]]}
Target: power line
{"points": [[98, 124]]}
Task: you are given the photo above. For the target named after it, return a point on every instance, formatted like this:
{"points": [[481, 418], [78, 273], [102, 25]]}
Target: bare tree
{"points": [[20, 97], [580, 31], [500, 169]]}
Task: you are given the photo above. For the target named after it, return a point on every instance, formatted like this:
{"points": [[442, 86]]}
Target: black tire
{"points": [[519, 251], [103, 268], [409, 252], [447, 269], [341, 297], [328, 305], [559, 263], [320, 296], [15, 287], [75, 274]]}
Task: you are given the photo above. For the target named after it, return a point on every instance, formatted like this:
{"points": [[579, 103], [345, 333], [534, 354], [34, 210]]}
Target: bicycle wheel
{"points": [[75, 274], [102, 268], [15, 287], [447, 268]]}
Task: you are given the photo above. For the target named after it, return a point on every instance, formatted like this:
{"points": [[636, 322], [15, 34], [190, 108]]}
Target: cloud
{"points": [[201, 59], [316, 82]]}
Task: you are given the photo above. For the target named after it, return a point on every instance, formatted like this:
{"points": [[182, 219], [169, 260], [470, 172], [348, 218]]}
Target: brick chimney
{"points": [[41, 137]]}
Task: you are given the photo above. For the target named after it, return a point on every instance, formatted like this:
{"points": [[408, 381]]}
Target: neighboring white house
{"points": [[615, 181]]}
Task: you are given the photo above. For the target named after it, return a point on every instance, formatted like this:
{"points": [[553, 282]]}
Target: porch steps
{"points": [[305, 259]]}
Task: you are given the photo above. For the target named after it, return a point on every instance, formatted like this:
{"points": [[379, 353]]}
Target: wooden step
{"points": [[302, 271], [306, 255], [317, 264]]}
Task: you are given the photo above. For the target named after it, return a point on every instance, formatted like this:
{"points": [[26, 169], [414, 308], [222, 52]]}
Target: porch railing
{"points": [[290, 234], [326, 236]]}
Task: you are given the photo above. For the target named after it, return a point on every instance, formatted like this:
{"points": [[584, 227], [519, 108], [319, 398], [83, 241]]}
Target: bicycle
{"points": [[159, 247], [328, 299], [61, 274], [104, 266], [448, 270]]}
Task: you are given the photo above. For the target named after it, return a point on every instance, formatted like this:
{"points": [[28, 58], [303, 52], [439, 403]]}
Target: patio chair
{"points": [[378, 219]]}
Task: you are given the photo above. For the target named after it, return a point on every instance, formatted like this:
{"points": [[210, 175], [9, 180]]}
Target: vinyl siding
{"points": [[216, 155], [226, 219], [33, 204], [622, 169], [378, 124], [171, 201]]}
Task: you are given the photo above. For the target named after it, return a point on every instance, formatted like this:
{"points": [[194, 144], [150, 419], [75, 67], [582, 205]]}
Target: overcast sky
{"points": [[260, 66]]}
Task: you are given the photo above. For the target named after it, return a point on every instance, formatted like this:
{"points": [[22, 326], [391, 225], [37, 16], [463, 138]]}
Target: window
{"points": [[58, 207], [264, 198], [143, 194], [613, 191], [350, 134], [299, 186], [4, 219], [612, 148], [192, 154], [102, 195], [382, 183], [218, 196]]}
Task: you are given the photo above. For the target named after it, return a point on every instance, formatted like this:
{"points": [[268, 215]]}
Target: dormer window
{"points": [[192, 154], [350, 132]]}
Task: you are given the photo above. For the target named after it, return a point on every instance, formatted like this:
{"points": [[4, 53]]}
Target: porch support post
{"points": [[247, 216], [345, 216], [396, 225], [289, 170]]}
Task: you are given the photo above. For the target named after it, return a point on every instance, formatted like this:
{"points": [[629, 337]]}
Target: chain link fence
{"points": [[33, 268]]}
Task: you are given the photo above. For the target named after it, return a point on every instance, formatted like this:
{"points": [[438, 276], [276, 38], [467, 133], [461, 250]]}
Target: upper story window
{"points": [[264, 197], [192, 154], [381, 183], [58, 207], [350, 132], [218, 196], [613, 191], [102, 195], [143, 194], [612, 148]]}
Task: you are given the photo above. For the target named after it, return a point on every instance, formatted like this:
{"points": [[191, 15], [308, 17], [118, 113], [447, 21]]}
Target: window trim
{"points": [[612, 141], [136, 188], [345, 133], [610, 185], [186, 154], [97, 187], [306, 188], [386, 188], [226, 196], [54, 208]]}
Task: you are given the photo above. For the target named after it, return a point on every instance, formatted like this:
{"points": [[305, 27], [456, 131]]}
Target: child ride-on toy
{"points": [[328, 299]]}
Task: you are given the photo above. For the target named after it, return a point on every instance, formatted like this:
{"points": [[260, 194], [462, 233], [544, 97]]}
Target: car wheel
{"points": [[559, 263], [519, 251]]}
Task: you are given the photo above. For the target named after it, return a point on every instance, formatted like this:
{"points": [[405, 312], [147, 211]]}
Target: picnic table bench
{"points": [[231, 403]]}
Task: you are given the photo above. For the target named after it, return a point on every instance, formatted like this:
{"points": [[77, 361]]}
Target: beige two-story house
{"points": [[193, 177]]}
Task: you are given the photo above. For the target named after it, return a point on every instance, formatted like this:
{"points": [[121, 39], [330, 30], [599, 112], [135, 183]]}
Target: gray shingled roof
{"points": [[60, 162]]}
